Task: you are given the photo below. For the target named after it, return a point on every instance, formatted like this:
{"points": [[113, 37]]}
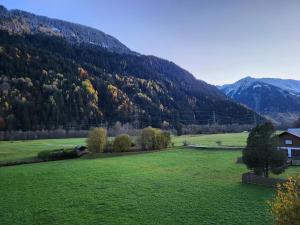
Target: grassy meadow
{"points": [[170, 187], [174, 186], [17, 150]]}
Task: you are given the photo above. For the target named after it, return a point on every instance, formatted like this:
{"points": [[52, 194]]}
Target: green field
{"points": [[16, 150], [175, 186], [170, 187], [230, 139]]}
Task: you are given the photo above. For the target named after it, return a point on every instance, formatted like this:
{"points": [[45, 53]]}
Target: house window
{"points": [[288, 142]]}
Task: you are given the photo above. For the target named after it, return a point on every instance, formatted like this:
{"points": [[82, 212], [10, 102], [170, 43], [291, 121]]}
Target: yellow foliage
{"points": [[96, 140], [87, 85], [113, 90], [144, 96], [6, 105], [286, 206]]}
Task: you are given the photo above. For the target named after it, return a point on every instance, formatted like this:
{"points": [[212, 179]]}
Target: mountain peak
{"points": [[22, 22]]}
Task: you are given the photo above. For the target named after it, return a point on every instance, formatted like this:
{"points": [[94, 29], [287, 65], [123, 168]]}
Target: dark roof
{"points": [[292, 131]]}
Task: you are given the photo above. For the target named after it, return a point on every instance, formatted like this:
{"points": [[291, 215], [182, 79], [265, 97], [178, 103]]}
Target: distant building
{"points": [[289, 141]]}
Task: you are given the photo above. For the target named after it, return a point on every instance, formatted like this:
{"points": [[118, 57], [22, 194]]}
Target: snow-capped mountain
{"points": [[291, 86], [276, 98]]}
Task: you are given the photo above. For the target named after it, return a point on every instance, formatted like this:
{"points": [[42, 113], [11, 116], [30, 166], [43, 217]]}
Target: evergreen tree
{"points": [[261, 153]]}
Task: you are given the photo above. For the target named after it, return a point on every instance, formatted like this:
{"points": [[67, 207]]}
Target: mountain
{"points": [[50, 81], [21, 22], [277, 98]]}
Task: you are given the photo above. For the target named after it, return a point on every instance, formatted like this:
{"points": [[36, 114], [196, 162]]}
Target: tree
{"points": [[146, 138], [285, 208], [122, 143], [152, 138], [97, 139], [261, 153]]}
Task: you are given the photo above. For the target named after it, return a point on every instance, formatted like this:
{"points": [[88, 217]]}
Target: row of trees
{"points": [[148, 139]]}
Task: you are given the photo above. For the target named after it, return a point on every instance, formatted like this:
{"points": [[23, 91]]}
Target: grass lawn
{"points": [[16, 150], [228, 139], [180, 186]]}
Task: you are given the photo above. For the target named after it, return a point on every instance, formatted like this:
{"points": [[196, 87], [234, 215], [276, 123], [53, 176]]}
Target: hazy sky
{"points": [[219, 41]]}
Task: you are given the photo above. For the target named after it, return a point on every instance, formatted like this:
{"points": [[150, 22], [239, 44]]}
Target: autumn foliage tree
{"points": [[96, 140], [285, 208], [122, 143], [153, 139]]}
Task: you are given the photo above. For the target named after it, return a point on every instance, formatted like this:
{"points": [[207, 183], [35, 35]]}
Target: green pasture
{"points": [[179, 186]]}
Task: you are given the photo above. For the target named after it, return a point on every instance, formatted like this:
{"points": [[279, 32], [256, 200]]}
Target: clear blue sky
{"points": [[219, 41]]}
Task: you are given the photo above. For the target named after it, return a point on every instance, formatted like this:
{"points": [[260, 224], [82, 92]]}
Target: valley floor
{"points": [[175, 186]]}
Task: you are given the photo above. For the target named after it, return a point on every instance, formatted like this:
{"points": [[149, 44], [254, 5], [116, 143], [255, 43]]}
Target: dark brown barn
{"points": [[289, 141]]}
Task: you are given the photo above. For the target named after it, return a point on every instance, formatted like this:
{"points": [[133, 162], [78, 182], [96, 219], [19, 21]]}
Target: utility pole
{"points": [[136, 118], [214, 117], [254, 119]]}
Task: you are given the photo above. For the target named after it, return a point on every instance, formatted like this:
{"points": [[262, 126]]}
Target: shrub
{"points": [[163, 139], [146, 139], [286, 206], [122, 143], [151, 139], [219, 143], [57, 154], [96, 139]]}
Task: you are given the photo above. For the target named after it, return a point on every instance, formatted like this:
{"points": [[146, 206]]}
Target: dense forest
{"points": [[48, 83]]}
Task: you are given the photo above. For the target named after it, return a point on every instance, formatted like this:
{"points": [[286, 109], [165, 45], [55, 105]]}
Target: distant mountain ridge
{"points": [[292, 86], [21, 22], [276, 98]]}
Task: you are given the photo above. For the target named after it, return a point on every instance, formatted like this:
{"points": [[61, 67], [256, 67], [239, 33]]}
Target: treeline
{"points": [[118, 129]]}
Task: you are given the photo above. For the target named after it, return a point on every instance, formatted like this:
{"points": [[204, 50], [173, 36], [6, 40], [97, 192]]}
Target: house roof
{"points": [[292, 131]]}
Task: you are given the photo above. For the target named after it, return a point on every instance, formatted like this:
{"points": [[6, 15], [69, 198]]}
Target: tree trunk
{"points": [[267, 170]]}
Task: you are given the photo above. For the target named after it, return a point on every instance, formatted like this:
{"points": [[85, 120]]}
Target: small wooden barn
{"points": [[289, 141]]}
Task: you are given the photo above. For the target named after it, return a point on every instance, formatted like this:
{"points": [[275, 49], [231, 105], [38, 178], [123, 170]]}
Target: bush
{"points": [[57, 154], [286, 206], [151, 139], [164, 140], [96, 139], [122, 143]]}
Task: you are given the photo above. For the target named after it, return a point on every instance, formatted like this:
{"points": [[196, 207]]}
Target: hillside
{"points": [[21, 22], [48, 81], [276, 98]]}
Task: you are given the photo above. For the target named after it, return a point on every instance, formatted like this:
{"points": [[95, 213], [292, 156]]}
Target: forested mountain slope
{"points": [[49, 82]]}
